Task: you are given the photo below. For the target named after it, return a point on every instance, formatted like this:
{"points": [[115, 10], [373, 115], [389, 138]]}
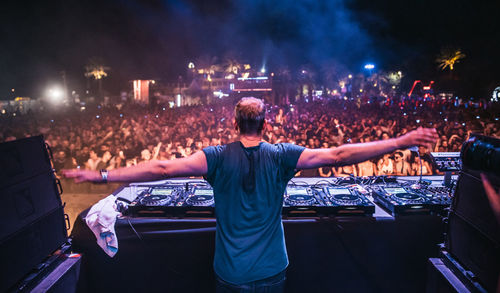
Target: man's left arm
{"points": [[194, 165], [349, 154]]}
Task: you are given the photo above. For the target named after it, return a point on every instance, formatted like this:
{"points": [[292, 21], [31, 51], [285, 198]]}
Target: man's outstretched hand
{"points": [[419, 137], [82, 175]]}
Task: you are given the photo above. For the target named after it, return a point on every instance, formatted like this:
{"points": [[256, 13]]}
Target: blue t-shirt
{"points": [[249, 184]]}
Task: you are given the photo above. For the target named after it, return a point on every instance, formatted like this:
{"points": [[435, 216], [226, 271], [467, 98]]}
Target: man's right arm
{"points": [[349, 154], [194, 165]]}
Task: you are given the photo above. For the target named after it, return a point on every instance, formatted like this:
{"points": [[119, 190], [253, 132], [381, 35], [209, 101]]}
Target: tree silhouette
{"points": [[96, 69], [231, 64], [448, 57]]}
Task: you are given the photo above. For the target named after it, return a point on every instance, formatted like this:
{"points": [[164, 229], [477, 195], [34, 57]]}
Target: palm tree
{"points": [[448, 57], [331, 71], [96, 70], [231, 64], [207, 67], [283, 73], [394, 80], [307, 76], [207, 64]]}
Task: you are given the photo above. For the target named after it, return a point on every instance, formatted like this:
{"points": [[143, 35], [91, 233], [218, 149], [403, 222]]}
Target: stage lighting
{"points": [[55, 94], [369, 66]]}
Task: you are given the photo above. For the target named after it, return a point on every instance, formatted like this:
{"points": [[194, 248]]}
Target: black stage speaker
{"points": [[32, 220], [473, 236], [63, 279], [22, 159]]}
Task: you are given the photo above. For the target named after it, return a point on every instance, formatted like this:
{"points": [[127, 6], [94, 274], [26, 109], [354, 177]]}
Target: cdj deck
{"points": [[400, 199], [325, 200], [333, 197]]}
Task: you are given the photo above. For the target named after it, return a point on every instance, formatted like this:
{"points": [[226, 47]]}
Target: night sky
{"points": [[157, 39]]}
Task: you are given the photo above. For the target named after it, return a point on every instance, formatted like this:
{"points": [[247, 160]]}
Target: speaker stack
{"points": [[472, 242], [32, 220]]}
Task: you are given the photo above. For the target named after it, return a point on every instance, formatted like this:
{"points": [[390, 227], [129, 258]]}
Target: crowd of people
{"points": [[109, 137]]}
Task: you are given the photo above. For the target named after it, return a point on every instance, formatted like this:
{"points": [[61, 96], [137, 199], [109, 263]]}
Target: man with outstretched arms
{"points": [[249, 177]]}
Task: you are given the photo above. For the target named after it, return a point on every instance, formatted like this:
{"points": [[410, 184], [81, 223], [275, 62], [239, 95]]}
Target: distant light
{"points": [[374, 84], [13, 90], [463, 124], [252, 78], [334, 92], [400, 73], [3, 111], [292, 109], [496, 119], [477, 117], [191, 65], [345, 98], [52, 120], [360, 90], [97, 116], [369, 66], [82, 108], [156, 116], [304, 72], [121, 115], [263, 70], [220, 94], [445, 119], [14, 114], [393, 87], [153, 81], [418, 120], [231, 86], [163, 108], [404, 114], [349, 76], [56, 94]]}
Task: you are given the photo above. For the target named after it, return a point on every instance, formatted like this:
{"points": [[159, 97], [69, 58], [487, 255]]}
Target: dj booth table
{"points": [[378, 253]]}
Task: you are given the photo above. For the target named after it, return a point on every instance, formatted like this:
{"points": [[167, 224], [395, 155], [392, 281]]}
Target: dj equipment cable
{"points": [[146, 247]]}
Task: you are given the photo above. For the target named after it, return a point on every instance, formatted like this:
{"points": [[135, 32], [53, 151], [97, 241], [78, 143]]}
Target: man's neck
{"points": [[250, 140]]}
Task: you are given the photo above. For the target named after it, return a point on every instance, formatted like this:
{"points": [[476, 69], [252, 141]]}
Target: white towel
{"points": [[101, 219]]}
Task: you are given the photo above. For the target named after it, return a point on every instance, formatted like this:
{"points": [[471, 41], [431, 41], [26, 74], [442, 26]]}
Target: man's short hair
{"points": [[250, 114]]}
